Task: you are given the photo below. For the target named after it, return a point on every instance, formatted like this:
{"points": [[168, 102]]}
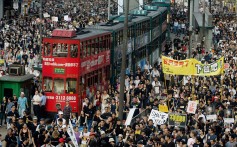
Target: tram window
{"points": [[96, 46], [48, 84], [58, 86], [102, 44], [74, 51], [54, 50], [88, 48], [60, 50], [81, 51], [71, 86], [84, 50], [47, 49], [64, 50]]}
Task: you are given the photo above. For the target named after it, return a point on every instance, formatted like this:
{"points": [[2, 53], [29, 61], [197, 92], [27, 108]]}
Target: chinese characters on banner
{"points": [[177, 119], [158, 117], [192, 107], [191, 67]]}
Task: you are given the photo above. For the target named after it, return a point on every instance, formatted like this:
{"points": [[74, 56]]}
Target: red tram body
{"points": [[72, 63]]}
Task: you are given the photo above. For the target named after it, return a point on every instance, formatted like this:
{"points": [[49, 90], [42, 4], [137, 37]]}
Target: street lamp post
{"points": [[123, 67], [190, 10], [203, 22], [40, 29]]}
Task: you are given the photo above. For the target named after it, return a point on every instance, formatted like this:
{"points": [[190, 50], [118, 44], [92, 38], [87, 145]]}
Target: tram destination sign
{"points": [[59, 70]]}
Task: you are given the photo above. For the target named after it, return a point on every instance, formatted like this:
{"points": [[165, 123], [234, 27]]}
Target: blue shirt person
{"points": [[22, 104]]}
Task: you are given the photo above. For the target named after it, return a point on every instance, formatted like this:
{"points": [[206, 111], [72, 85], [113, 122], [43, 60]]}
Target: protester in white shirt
{"points": [[36, 104]]}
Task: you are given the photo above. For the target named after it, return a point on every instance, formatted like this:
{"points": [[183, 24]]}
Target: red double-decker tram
{"points": [[72, 63]]}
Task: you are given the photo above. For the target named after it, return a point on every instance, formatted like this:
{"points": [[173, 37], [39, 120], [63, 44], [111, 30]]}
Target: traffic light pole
{"points": [[123, 67]]}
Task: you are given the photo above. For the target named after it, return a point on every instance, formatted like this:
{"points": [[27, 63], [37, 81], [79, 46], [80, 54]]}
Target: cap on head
{"points": [[64, 126], [61, 140], [111, 140], [60, 112]]}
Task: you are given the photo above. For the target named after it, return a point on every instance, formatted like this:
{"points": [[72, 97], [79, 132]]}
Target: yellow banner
{"points": [[163, 108], [1, 61], [191, 67]]}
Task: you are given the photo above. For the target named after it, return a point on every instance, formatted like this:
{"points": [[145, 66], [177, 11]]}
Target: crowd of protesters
{"points": [[98, 124], [20, 33]]}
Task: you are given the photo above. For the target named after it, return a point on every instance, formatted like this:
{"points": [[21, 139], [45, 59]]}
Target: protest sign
{"points": [[211, 117], [46, 15], [229, 120], [1, 62], [192, 107], [54, 18], [67, 18], [163, 108], [177, 119], [158, 117], [130, 116], [71, 133]]}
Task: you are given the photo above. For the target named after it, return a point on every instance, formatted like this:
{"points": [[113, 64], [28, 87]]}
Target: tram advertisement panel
{"points": [[57, 101], [95, 62]]}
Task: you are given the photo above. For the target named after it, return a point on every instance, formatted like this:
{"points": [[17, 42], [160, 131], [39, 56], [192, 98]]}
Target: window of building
{"points": [[71, 85], [58, 86]]}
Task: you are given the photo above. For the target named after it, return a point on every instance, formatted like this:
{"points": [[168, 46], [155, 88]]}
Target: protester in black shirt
{"points": [[67, 111], [169, 142], [15, 99], [10, 138], [25, 58], [120, 142], [89, 112], [13, 112], [92, 141]]}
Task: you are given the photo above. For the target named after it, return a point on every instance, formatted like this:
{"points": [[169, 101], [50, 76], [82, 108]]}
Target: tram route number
{"points": [[62, 98]]}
